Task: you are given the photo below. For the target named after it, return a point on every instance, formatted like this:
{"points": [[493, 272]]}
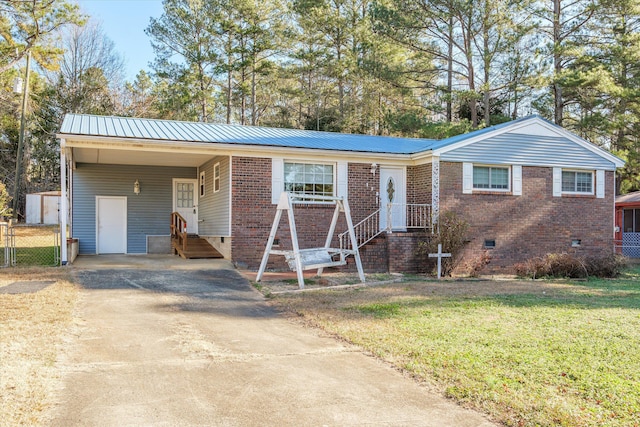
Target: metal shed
{"points": [[43, 208]]}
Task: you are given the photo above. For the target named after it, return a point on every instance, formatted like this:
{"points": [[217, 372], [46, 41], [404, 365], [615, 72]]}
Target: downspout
{"points": [[615, 214], [63, 203], [435, 191]]}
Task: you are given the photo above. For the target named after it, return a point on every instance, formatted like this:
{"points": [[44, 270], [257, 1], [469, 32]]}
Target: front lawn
{"points": [[526, 352]]}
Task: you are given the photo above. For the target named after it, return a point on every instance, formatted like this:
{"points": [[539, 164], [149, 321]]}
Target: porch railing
{"points": [[179, 229], [365, 231], [418, 216]]}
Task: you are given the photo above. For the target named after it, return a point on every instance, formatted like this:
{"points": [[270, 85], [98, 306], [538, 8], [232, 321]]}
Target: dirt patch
{"points": [[281, 283], [26, 286]]}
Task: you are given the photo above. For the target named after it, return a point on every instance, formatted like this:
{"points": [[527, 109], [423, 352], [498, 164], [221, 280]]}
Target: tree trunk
{"points": [[450, 72], [487, 66], [557, 64], [243, 98], [229, 77], [203, 95], [254, 118]]}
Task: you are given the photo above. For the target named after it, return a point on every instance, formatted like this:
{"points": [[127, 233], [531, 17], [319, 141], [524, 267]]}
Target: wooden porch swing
{"points": [[311, 258]]}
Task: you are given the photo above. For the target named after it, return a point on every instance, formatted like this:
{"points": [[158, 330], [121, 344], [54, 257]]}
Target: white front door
{"points": [[392, 196], [111, 225], [185, 202]]}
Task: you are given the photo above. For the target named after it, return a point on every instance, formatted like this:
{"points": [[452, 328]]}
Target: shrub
{"points": [[569, 266], [476, 264], [451, 235], [565, 265], [607, 266]]}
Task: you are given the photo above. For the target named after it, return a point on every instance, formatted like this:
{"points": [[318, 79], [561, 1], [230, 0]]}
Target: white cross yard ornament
{"points": [[439, 255]]}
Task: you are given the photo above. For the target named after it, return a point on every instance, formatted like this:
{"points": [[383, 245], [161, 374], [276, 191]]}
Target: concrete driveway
{"points": [[167, 342]]}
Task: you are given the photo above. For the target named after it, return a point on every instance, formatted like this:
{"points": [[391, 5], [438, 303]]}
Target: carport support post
{"points": [[63, 203]]}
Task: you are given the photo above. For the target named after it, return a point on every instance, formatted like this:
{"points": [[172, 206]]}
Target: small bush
{"points": [[569, 266], [451, 235], [607, 266], [476, 264]]}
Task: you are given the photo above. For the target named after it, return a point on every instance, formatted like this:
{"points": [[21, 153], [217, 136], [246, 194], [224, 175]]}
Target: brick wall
{"points": [[530, 225], [419, 184], [251, 209], [253, 214], [403, 253]]}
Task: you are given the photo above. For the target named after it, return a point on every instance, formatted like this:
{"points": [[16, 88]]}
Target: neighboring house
{"points": [[526, 187], [628, 224]]}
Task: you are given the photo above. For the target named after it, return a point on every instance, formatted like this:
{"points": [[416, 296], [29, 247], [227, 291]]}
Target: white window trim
{"points": [[579, 193], [202, 184], [493, 190], [340, 177], [311, 162], [216, 177]]}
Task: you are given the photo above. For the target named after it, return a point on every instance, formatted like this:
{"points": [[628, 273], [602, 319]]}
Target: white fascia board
{"points": [[208, 148], [548, 126], [422, 157]]}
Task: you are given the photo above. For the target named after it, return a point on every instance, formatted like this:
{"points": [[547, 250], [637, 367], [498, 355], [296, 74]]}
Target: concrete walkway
{"points": [[160, 345]]}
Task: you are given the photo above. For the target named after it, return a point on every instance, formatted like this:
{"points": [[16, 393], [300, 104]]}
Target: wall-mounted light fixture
{"points": [[136, 187], [374, 168]]}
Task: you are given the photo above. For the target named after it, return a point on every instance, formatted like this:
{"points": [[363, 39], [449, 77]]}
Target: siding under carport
{"points": [[148, 213]]}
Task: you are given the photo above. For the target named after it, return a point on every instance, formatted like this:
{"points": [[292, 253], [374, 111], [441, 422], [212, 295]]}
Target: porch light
{"points": [[374, 168], [136, 187]]}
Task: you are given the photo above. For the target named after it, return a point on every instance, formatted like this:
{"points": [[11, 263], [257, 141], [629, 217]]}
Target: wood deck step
{"points": [[197, 247]]}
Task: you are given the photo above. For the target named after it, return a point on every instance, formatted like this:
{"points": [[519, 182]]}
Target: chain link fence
{"points": [[29, 245]]}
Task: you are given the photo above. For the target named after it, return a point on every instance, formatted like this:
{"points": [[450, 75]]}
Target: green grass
{"points": [[548, 353], [36, 256]]}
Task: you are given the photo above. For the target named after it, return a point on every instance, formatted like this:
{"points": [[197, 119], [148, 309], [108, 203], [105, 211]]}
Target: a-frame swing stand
{"points": [[312, 258]]}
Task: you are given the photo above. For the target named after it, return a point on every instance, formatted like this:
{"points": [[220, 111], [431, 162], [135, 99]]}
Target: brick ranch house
{"points": [[527, 188]]}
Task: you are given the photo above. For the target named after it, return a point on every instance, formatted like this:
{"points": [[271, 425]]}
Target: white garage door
{"points": [[111, 220]]}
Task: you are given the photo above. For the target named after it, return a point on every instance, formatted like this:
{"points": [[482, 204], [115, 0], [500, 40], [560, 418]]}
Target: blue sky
{"points": [[124, 21]]}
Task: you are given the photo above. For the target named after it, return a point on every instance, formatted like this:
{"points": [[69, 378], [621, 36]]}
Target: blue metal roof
{"points": [[169, 130]]}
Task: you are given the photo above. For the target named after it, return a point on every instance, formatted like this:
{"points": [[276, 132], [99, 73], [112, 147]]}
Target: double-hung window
{"points": [[309, 178], [492, 178], [576, 182]]}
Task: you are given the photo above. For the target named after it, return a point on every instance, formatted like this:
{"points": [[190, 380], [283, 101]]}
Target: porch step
{"points": [[197, 247]]}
